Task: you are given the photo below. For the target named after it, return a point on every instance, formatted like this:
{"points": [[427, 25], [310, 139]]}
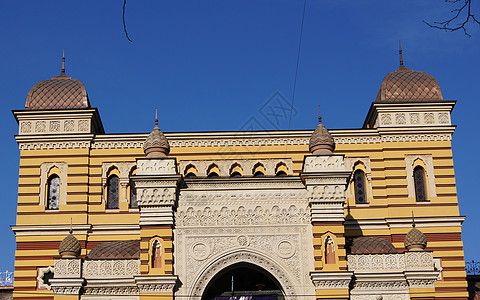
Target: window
{"points": [[281, 170], [113, 191], [53, 192], [191, 171], [359, 186], [259, 170], [420, 184]]}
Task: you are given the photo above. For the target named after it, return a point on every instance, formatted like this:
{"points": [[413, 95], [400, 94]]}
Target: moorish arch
{"points": [[227, 260]]}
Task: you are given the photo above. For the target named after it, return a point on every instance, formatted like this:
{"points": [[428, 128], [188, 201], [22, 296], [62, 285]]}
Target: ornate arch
{"points": [[254, 258]]}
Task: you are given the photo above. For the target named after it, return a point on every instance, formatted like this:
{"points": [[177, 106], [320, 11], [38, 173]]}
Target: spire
{"points": [[63, 62], [319, 115], [401, 55]]}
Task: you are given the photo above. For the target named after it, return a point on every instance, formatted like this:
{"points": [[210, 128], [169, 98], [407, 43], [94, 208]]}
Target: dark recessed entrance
{"points": [[249, 283]]}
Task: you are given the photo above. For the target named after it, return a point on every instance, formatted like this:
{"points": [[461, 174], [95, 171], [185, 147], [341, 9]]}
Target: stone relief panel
{"points": [[54, 126], [156, 196], [324, 163], [100, 269], [156, 167], [413, 118], [258, 215], [67, 268]]}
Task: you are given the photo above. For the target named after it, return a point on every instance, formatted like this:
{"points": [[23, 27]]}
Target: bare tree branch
{"points": [[462, 13], [123, 18]]}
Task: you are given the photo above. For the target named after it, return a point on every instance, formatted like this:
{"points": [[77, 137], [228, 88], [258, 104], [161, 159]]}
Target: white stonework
{"points": [[225, 166], [156, 167], [222, 222], [98, 269]]}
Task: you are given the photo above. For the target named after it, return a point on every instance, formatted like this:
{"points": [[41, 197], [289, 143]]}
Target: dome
{"points": [[116, 250], [321, 141], [406, 85], [372, 245], [156, 145], [61, 92], [69, 247], [415, 240]]}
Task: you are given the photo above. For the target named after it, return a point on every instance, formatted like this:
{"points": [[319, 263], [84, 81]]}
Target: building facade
{"points": [[366, 213]]}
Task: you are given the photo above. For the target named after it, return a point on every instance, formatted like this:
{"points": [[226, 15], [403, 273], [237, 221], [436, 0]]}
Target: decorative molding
{"points": [[258, 215], [165, 166], [155, 196], [376, 262], [243, 256], [68, 268], [429, 170], [156, 284], [110, 290], [331, 280], [201, 198], [323, 163], [53, 145], [117, 268]]}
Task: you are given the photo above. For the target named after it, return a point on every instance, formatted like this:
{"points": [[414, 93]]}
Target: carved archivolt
{"points": [[230, 259]]}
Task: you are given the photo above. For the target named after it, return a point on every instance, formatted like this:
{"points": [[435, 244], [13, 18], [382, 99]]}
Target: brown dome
{"points": [[406, 85], [116, 250], [69, 247], [415, 240], [156, 145], [372, 245], [321, 141], [61, 92]]}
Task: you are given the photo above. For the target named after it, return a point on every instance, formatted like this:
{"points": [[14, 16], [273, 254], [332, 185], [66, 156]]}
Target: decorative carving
{"points": [[156, 196], [99, 269], [386, 119], [83, 125], [443, 118], [329, 193], [40, 126], [414, 118], [376, 262], [26, 127], [111, 290], [285, 249], [429, 118], [419, 260], [54, 126], [323, 163], [66, 290], [44, 274], [69, 125], [242, 241], [68, 268], [400, 118], [241, 216], [262, 261], [156, 167], [200, 251]]}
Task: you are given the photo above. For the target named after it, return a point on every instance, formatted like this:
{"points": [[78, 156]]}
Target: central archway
{"points": [[243, 279], [255, 261]]}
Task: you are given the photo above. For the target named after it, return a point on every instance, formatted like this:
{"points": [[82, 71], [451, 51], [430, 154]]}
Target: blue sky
{"points": [[210, 65]]}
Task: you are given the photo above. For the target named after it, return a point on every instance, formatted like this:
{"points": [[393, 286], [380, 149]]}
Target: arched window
{"points": [[191, 171], [156, 254], [259, 170], [53, 192], [329, 250], [359, 186], [113, 191], [420, 184]]}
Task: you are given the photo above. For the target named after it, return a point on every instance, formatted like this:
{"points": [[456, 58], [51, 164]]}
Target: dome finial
{"points": [[71, 227], [413, 220], [156, 117], [63, 61], [321, 141], [401, 55], [156, 145]]}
